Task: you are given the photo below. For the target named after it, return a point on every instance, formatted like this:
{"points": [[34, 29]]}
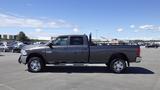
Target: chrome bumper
{"points": [[22, 59], [138, 59]]}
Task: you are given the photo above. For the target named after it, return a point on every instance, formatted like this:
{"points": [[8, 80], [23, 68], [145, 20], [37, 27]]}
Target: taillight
{"points": [[138, 52]]}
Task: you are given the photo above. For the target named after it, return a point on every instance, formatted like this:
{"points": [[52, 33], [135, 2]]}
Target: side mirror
{"points": [[50, 45]]}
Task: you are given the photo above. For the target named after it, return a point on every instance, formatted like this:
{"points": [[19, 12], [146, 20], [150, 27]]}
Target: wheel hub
{"points": [[118, 66], [35, 65]]}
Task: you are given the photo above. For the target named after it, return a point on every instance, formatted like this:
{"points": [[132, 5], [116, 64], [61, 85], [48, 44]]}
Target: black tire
{"points": [[118, 65], [35, 64]]}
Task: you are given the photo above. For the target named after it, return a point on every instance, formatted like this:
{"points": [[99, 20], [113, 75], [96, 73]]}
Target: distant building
{"points": [[10, 37], [14, 37], [6, 36], [117, 42]]}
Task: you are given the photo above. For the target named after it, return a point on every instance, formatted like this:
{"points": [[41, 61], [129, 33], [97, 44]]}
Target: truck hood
{"points": [[31, 47]]}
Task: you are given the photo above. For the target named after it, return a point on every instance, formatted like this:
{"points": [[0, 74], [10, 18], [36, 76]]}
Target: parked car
{"points": [[79, 49], [6, 47], [1, 47], [38, 43], [152, 46], [17, 47]]}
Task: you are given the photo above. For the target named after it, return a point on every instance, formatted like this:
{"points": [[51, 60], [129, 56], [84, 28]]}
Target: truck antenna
{"points": [[90, 38]]}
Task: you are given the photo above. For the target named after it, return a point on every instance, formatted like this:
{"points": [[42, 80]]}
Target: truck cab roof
{"points": [[72, 35]]}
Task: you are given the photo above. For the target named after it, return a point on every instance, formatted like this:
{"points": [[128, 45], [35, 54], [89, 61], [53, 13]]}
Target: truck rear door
{"points": [[78, 49]]}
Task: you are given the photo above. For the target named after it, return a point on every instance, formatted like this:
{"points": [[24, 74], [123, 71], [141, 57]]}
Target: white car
{"points": [[5, 47]]}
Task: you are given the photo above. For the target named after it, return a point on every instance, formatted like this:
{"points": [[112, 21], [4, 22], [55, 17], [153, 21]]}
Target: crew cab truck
{"points": [[79, 49]]}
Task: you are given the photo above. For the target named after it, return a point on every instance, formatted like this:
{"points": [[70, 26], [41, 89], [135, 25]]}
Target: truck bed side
{"points": [[102, 54]]}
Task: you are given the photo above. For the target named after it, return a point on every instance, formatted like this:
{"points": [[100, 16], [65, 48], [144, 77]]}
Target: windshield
{"points": [[50, 41], [61, 41]]}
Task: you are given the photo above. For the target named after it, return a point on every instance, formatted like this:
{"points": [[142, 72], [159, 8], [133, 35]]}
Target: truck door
{"points": [[59, 50], [78, 49]]}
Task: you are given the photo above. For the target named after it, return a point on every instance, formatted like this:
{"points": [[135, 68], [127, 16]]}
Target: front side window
{"points": [[61, 41], [77, 40]]}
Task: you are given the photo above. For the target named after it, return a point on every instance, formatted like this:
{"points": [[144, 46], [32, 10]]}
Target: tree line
{"points": [[21, 36]]}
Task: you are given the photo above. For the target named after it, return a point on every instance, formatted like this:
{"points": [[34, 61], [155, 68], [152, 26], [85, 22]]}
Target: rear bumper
{"points": [[22, 59], [138, 59]]}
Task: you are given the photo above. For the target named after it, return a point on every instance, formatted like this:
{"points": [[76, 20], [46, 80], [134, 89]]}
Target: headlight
{"points": [[23, 52]]}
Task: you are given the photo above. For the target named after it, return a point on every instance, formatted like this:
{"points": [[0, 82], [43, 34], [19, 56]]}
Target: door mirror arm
{"points": [[50, 45]]}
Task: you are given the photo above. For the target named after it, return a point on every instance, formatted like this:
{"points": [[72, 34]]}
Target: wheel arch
{"points": [[119, 55], [35, 55]]}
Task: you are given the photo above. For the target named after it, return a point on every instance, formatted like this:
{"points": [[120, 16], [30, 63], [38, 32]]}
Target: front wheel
{"points": [[35, 64], [118, 65]]}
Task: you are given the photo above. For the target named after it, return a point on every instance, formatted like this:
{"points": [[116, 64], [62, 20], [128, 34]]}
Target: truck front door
{"points": [[59, 50]]}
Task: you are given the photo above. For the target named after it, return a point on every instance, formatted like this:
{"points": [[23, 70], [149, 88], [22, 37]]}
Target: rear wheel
{"points": [[35, 64], [118, 65]]}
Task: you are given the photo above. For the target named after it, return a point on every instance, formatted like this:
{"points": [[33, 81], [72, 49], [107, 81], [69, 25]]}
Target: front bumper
{"points": [[138, 59], [22, 59]]}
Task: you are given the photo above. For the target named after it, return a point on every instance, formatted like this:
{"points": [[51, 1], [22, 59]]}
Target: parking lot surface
{"points": [[140, 76]]}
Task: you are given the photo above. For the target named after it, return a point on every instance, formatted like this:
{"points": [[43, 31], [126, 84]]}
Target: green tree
{"points": [[22, 37]]}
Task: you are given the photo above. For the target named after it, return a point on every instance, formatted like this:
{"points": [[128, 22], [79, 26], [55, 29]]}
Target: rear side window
{"points": [[76, 40]]}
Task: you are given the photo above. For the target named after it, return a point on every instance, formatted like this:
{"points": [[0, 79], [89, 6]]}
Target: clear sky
{"points": [[122, 19]]}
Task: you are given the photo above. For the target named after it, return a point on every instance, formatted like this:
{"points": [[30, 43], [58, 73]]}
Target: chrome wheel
{"points": [[118, 65], [35, 64]]}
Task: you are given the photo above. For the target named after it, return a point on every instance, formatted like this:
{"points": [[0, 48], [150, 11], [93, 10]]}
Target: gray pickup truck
{"points": [[79, 49]]}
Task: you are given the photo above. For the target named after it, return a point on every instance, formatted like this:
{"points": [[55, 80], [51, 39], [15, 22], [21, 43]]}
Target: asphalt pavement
{"points": [[140, 76]]}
